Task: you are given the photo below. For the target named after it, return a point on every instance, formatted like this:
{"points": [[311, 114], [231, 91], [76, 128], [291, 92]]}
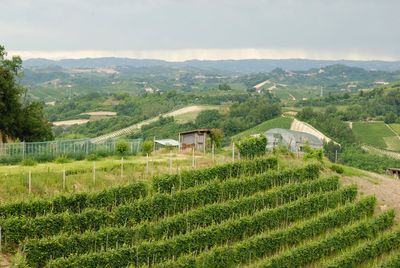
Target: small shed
{"points": [[394, 172], [194, 139]]}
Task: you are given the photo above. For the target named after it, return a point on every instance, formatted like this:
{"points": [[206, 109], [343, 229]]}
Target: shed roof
{"points": [[167, 142], [199, 130]]}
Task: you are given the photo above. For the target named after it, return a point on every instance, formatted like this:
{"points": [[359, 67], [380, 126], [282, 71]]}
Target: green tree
{"points": [[390, 118], [147, 147], [216, 136], [122, 147], [24, 121], [252, 146]]}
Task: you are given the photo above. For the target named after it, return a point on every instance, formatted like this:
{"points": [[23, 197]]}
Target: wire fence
{"points": [[69, 148]]}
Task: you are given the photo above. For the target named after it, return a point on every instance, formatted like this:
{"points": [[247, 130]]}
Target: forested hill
{"points": [[237, 66]]}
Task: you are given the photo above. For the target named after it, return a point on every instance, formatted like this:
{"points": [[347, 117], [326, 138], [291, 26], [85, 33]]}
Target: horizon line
{"points": [[181, 55]]}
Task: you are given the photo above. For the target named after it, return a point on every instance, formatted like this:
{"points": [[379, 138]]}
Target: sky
{"points": [[179, 30]]}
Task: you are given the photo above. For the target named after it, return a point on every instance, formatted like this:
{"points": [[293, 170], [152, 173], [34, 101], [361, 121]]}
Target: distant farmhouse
{"points": [[194, 139], [293, 140]]}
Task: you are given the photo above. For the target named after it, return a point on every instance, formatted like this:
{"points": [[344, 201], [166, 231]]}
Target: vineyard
{"points": [[247, 213]]}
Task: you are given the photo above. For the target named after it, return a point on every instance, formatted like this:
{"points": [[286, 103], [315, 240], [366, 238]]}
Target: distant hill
{"points": [[235, 66]]}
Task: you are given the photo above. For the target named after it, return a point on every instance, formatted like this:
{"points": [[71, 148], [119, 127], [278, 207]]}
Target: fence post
{"points": [[212, 152], [335, 156], [122, 167], [23, 150], [94, 173], [64, 179], [193, 159], [233, 152], [239, 152], [147, 165], [30, 181], [170, 161]]}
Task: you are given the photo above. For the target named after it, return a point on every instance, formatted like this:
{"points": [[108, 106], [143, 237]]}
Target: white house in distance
{"points": [[294, 140]]}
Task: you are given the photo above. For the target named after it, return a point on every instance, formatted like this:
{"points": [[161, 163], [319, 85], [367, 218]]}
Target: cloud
{"points": [[206, 54]]}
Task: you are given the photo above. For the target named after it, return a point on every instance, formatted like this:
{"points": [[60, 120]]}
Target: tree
{"points": [[122, 147], [24, 121], [252, 146], [147, 147], [390, 118], [224, 87], [216, 136]]}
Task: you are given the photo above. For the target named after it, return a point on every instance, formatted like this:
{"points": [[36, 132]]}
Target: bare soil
{"points": [[385, 188]]}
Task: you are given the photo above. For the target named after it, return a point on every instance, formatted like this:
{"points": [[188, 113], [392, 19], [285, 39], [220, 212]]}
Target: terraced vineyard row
{"points": [[247, 213]]}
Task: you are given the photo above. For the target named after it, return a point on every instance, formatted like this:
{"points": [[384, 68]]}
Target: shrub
{"points": [[122, 147], [337, 169], [92, 157], [147, 147], [62, 159], [252, 146], [28, 162]]}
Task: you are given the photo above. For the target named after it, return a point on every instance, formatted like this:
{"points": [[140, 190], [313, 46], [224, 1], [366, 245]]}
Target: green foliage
{"points": [[224, 87], [187, 179], [62, 159], [372, 133], [310, 153], [336, 168], [356, 157], [151, 208], [92, 157], [216, 136], [207, 237], [390, 118], [364, 252], [147, 147], [122, 147], [279, 122], [251, 147], [28, 162], [38, 251], [335, 242], [268, 243], [75, 202], [24, 121], [392, 262]]}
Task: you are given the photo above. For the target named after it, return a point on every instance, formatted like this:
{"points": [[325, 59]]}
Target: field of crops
{"points": [[376, 134], [245, 213]]}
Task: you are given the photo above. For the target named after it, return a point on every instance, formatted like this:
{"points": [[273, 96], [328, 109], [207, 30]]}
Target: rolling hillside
{"points": [[377, 134], [280, 122]]}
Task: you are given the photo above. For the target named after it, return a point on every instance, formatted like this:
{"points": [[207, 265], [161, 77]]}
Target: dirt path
{"points": [[301, 126], [136, 127], [386, 190], [4, 262]]}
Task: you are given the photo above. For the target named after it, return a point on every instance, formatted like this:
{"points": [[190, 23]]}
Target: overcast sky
{"points": [[203, 29]]}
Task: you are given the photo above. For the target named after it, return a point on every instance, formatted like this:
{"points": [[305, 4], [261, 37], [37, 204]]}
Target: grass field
{"points": [[396, 127], [376, 134], [280, 122], [286, 217], [47, 178]]}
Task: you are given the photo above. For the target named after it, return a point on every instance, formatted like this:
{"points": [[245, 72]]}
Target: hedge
{"points": [[76, 202], [153, 207], [346, 237], [367, 251], [153, 252], [170, 182], [38, 251], [270, 242]]}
